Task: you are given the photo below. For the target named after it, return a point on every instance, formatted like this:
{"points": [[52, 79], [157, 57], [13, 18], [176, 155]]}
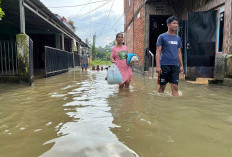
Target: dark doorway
{"points": [[157, 26], [202, 28], [39, 43]]}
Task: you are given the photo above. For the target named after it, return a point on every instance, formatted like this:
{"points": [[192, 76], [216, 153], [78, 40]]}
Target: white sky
{"points": [[104, 21]]}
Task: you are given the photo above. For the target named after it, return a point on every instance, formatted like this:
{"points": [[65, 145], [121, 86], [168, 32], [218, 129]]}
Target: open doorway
{"points": [[157, 26], [39, 43]]}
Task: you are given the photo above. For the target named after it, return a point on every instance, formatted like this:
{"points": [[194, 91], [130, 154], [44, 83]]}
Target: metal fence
{"points": [[57, 61], [8, 58], [70, 60], [77, 59]]}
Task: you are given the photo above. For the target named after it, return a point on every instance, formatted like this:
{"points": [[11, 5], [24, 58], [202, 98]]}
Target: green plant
{"points": [[1, 12]]}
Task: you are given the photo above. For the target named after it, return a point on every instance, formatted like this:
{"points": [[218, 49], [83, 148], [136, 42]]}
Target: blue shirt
{"points": [[170, 45]]}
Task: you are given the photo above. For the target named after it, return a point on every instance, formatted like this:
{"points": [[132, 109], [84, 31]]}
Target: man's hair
{"points": [[172, 18]]}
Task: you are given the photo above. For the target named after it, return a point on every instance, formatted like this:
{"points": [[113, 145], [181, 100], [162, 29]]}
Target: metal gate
{"points": [[77, 59], [57, 61], [202, 28], [8, 58]]}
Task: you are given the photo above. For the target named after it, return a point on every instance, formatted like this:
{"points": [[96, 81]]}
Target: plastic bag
{"points": [[114, 76]]}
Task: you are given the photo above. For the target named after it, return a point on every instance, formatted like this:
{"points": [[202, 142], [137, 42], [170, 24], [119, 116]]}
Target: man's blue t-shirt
{"points": [[170, 45]]}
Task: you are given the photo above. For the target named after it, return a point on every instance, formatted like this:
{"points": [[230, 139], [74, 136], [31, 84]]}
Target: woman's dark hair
{"points": [[172, 18], [118, 34]]}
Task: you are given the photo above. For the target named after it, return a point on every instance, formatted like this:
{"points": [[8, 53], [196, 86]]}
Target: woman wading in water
{"points": [[118, 57]]}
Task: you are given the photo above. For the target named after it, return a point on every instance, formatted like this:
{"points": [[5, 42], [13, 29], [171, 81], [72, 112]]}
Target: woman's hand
{"points": [[113, 61]]}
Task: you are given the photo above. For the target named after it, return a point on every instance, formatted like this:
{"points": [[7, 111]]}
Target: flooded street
{"points": [[77, 114]]}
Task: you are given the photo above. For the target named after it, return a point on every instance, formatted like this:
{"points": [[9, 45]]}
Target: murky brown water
{"points": [[77, 114]]}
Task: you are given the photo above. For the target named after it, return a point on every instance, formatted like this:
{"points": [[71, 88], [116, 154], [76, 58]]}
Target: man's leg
{"points": [[163, 78], [174, 88], [174, 80], [161, 88], [86, 67]]}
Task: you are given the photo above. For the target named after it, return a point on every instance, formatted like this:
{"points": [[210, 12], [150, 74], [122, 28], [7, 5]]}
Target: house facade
{"points": [[33, 40], [204, 27]]}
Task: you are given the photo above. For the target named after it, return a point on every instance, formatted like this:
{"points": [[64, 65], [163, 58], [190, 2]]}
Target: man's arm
{"points": [[180, 61], [158, 54]]}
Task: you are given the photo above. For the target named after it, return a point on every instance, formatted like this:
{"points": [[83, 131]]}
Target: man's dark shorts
{"points": [[170, 73]]}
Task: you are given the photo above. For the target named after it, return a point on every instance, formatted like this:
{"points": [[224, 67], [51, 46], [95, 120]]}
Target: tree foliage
{"points": [[1, 11], [103, 53]]}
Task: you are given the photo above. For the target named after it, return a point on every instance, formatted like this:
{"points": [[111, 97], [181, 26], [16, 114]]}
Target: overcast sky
{"points": [[103, 17]]}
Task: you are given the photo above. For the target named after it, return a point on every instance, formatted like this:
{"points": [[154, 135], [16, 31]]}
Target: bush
{"points": [[100, 62]]}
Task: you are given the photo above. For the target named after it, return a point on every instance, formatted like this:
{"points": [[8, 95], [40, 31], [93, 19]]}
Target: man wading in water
{"points": [[168, 53]]}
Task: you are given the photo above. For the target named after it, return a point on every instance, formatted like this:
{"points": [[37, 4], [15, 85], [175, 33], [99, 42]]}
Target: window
{"points": [[129, 3], [220, 31], [138, 15]]}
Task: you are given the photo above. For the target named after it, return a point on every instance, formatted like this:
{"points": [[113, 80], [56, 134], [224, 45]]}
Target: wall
{"points": [[134, 27], [139, 35]]}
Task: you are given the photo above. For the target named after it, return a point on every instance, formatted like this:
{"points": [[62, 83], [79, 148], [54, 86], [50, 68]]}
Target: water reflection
{"points": [[195, 124], [89, 134], [79, 114]]}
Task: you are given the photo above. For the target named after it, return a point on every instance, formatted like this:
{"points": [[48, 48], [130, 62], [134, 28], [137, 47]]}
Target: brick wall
{"points": [[139, 35], [129, 37], [128, 11], [134, 33]]}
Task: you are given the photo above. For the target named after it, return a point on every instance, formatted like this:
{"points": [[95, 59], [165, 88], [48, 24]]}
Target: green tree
{"points": [[1, 12]]}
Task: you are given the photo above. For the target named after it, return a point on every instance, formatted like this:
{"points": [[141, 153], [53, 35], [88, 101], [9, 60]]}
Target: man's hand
{"points": [[182, 70], [158, 70]]}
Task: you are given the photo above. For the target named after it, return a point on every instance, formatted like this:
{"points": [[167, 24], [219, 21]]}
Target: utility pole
{"points": [[93, 47]]}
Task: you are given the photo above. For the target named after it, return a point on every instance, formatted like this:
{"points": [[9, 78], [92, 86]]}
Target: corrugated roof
{"points": [[44, 9], [33, 20]]}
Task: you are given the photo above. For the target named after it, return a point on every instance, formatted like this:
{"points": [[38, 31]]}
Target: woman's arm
{"points": [[112, 56]]}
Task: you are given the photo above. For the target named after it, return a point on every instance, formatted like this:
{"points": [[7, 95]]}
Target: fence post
{"points": [[23, 57]]}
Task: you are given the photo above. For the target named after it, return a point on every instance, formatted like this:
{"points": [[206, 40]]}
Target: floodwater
{"points": [[77, 114]]}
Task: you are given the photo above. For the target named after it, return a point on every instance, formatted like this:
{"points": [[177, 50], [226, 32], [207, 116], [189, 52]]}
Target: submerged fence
{"points": [[77, 60], [58, 61], [8, 58]]}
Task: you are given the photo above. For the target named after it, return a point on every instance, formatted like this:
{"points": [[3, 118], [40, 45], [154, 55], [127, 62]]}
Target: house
{"points": [[35, 41], [204, 27]]}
